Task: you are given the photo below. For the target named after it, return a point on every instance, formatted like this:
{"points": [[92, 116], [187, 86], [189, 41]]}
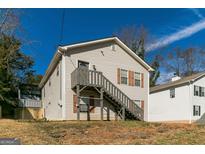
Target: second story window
{"points": [[199, 91], [196, 90], [172, 93], [137, 78], [124, 76], [202, 92]]}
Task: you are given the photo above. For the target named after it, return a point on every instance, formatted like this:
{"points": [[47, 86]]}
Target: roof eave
{"points": [[55, 59]]}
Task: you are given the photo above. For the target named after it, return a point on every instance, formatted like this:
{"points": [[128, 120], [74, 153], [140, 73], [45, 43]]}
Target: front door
{"points": [[83, 73], [83, 64]]}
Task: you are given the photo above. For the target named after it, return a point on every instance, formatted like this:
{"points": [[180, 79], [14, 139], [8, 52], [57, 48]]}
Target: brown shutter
{"points": [[130, 78], [118, 75], [142, 80], [75, 99], [92, 104], [133, 79], [142, 105]]}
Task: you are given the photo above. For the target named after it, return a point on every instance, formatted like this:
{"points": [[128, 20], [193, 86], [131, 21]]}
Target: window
{"points": [[57, 73], [124, 76], [196, 110], [202, 92], [199, 91], [49, 83], [83, 105], [172, 93], [138, 102], [196, 91], [137, 78]]}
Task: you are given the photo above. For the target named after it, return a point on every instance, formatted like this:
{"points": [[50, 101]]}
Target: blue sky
{"points": [[42, 27]]}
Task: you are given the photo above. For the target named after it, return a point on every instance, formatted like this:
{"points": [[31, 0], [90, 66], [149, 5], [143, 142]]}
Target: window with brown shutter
{"points": [[92, 104], [137, 79], [118, 75], [142, 80], [75, 99]]}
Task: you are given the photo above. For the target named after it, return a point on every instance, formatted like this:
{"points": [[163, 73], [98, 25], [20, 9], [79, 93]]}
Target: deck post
{"points": [[78, 102], [123, 113], [101, 103], [88, 112], [108, 113]]}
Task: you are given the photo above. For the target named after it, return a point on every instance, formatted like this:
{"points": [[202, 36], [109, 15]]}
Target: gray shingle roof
{"points": [[176, 83]]}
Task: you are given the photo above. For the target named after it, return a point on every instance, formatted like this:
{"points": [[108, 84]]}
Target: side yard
{"points": [[97, 132]]}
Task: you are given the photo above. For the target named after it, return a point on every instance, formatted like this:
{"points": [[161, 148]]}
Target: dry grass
{"points": [[96, 132]]}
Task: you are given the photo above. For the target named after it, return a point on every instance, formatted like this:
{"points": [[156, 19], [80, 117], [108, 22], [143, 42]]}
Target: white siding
{"points": [[197, 100], [164, 108], [107, 61], [52, 101]]}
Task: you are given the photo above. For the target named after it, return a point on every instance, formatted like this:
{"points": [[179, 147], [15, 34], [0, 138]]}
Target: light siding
{"points": [[180, 108], [105, 60], [52, 101]]}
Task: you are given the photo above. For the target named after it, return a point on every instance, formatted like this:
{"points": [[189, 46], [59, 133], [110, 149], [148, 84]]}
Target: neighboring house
{"points": [[180, 100], [29, 105], [96, 80]]}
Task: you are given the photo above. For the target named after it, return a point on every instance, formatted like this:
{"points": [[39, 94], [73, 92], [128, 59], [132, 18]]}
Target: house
{"points": [[29, 105], [96, 80], [180, 100]]}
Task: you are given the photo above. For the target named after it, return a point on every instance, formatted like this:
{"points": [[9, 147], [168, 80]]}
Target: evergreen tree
{"points": [[14, 65]]}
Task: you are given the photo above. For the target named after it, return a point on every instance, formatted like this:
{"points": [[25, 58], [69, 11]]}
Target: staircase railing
{"points": [[85, 77]]}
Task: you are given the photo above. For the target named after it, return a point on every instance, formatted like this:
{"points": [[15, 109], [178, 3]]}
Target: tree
{"points": [[185, 62], [136, 38], [156, 73], [14, 65]]}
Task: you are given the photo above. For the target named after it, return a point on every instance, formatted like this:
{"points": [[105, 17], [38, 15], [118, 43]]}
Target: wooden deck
{"points": [[82, 78]]}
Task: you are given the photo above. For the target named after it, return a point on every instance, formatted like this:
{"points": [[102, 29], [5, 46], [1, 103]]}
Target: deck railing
{"points": [[85, 77], [30, 103]]}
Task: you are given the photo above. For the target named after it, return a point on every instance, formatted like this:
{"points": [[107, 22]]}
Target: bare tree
{"points": [[184, 62], [9, 21], [135, 38]]}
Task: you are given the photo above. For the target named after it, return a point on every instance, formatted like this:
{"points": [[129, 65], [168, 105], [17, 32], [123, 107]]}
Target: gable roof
{"points": [[179, 82], [110, 39], [66, 48]]}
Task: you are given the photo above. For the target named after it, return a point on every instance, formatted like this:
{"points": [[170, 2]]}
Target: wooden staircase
{"points": [[125, 107]]}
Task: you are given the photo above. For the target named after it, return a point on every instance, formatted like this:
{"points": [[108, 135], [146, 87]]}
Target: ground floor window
{"points": [[196, 110]]}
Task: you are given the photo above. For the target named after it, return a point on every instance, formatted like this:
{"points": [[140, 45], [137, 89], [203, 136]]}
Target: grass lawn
{"points": [[97, 132]]}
